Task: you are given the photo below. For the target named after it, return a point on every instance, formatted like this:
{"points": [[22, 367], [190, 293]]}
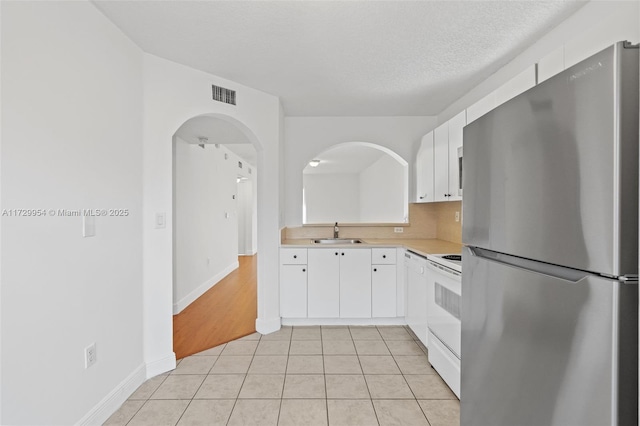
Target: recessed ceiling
{"points": [[343, 58]]}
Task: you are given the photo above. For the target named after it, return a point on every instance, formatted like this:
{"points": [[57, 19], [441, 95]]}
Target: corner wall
{"points": [[174, 93], [71, 139]]}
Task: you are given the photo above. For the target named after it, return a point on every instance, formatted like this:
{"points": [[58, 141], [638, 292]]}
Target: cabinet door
{"points": [[383, 291], [323, 283], [481, 107], [424, 170], [517, 85], [456, 125], [441, 162], [293, 256], [551, 64], [293, 291], [355, 283]]}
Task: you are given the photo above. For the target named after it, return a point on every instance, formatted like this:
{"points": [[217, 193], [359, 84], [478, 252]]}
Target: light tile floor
{"points": [[300, 376]]}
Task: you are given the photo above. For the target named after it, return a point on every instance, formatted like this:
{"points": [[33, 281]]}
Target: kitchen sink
{"points": [[336, 241]]}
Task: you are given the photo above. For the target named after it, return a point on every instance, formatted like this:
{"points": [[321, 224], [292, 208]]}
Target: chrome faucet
{"points": [[336, 230]]}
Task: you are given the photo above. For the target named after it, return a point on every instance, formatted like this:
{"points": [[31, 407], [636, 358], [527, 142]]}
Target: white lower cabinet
{"points": [[355, 283], [293, 291], [324, 283], [383, 291], [340, 283]]}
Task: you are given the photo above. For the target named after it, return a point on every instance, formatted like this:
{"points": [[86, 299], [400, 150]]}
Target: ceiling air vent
{"points": [[221, 94]]}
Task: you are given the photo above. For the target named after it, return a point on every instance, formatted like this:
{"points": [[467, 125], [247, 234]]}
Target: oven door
{"points": [[443, 314]]}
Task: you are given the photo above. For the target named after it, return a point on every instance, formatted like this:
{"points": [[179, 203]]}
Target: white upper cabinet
{"points": [[437, 167], [424, 170], [441, 162], [551, 64], [614, 28], [456, 126], [481, 107], [517, 85]]}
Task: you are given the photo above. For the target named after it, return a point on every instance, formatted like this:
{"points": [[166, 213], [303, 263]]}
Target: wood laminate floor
{"points": [[225, 312]]}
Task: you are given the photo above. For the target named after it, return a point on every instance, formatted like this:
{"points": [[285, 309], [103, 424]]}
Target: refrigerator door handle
{"points": [[550, 270]]}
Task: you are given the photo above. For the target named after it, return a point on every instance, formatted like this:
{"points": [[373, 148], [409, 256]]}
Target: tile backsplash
{"points": [[427, 220]]}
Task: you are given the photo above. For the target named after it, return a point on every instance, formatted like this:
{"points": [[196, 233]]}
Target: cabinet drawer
{"points": [[383, 256], [293, 256]]}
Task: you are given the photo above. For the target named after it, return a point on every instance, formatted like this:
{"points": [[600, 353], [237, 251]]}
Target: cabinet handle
{"points": [[423, 197], [295, 256], [375, 269], [343, 254], [336, 253], [384, 256], [304, 270]]}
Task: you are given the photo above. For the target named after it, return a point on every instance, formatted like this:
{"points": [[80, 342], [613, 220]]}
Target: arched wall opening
{"points": [[355, 182], [210, 157]]}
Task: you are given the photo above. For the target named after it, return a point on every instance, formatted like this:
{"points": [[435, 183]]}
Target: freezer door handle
{"points": [[548, 269]]}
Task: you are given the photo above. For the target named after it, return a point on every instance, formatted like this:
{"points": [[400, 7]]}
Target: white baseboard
{"points": [[161, 365], [202, 288], [344, 321], [110, 403], [266, 326]]}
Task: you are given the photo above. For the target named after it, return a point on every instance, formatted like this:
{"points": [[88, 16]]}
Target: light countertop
{"points": [[419, 246]]}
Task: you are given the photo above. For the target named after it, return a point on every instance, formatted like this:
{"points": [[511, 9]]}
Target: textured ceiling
{"points": [[343, 58]]}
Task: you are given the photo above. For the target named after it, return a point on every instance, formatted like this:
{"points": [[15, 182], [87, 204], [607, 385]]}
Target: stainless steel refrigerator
{"points": [[550, 227]]}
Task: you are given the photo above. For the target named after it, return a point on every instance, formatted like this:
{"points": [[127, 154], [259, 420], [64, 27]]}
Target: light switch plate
{"points": [[161, 220], [88, 226]]}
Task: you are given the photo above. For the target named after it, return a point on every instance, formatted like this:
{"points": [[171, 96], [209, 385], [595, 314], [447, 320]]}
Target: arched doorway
{"points": [[214, 290]]}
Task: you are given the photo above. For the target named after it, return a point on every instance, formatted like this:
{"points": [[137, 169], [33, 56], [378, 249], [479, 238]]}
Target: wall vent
{"points": [[221, 94]]}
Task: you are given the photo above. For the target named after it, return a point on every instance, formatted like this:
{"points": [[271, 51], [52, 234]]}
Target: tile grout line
{"points": [[364, 377], [235, 402]]}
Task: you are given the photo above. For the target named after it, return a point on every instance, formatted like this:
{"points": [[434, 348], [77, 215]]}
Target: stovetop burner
{"points": [[455, 257]]}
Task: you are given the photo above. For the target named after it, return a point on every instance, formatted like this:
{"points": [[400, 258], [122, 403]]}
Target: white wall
{"points": [[332, 197], [173, 94], [305, 137], [246, 218], [206, 218], [595, 26], [71, 139], [380, 200]]}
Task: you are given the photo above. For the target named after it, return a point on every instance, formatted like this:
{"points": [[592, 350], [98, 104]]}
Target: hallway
{"points": [[225, 312]]}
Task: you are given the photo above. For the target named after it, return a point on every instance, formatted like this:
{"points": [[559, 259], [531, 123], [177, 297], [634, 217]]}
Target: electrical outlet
{"points": [[457, 216], [398, 230], [90, 355]]}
